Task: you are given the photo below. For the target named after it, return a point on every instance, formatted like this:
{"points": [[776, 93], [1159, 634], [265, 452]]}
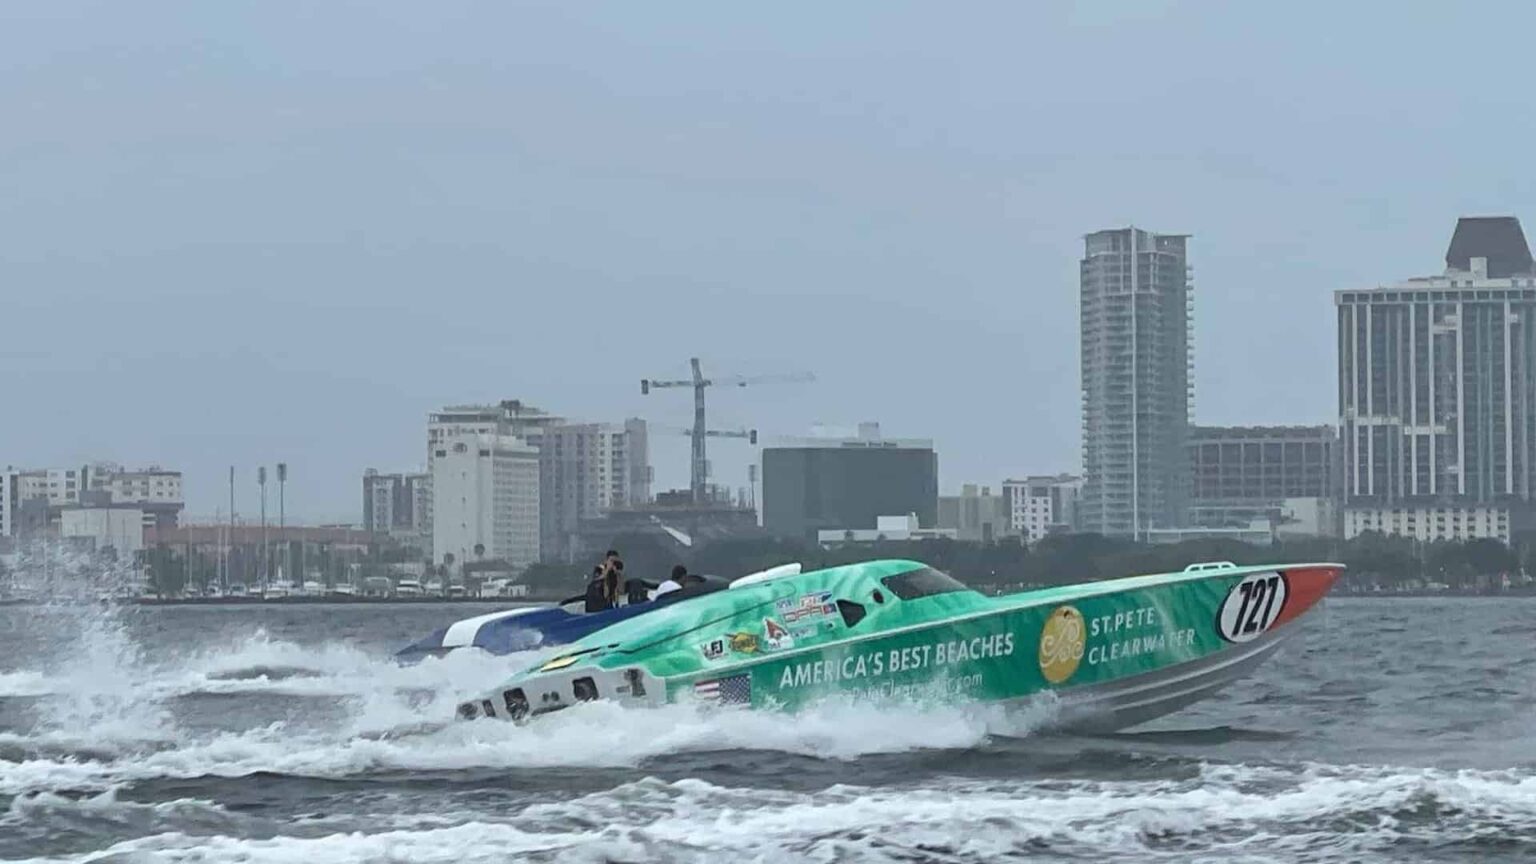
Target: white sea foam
{"points": [[107, 805], [24, 682], [563, 739], [108, 721], [1227, 814]]}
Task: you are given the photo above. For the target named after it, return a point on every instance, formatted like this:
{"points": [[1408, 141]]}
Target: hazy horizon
{"points": [[244, 234]]}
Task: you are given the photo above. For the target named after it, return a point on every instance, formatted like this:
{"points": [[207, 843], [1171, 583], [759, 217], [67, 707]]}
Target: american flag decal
{"points": [[735, 690]]}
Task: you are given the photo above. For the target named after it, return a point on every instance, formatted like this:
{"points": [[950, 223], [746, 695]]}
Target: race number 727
{"points": [[1251, 607]]}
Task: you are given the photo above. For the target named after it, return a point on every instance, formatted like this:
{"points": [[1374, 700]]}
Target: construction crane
{"points": [[699, 467]]}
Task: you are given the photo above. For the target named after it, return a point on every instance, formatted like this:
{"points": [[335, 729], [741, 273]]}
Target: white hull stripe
{"points": [[462, 633]]}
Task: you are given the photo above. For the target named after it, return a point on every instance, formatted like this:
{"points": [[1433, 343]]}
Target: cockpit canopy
{"points": [[921, 582]]}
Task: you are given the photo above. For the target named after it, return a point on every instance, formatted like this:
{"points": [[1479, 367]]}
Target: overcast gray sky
{"points": [[245, 232]]}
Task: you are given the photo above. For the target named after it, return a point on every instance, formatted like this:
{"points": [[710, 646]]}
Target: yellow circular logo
{"points": [[1061, 644]]}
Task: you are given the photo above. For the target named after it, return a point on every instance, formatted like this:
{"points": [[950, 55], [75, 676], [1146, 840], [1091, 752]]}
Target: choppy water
{"points": [[1394, 730]]}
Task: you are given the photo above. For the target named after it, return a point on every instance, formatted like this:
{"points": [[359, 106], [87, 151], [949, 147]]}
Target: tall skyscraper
{"points": [[1437, 392], [1136, 297]]}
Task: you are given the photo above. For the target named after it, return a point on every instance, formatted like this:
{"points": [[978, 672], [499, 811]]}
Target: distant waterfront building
{"points": [[588, 469], [508, 417], [486, 500], [226, 556], [976, 514], [154, 490], [1042, 505], [10, 501], [906, 527], [34, 499], [115, 527], [1136, 296], [1259, 532], [1288, 475], [1437, 393], [848, 483], [396, 504]]}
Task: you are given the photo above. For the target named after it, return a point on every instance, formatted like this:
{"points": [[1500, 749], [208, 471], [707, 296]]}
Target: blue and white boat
{"points": [[527, 628]]}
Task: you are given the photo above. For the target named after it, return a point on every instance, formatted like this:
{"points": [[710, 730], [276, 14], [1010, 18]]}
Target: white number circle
{"points": [[1251, 607]]}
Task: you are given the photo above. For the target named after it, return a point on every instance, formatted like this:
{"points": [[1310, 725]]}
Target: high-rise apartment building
{"points": [[508, 417], [1437, 392], [587, 470], [485, 500], [1136, 297], [395, 504]]}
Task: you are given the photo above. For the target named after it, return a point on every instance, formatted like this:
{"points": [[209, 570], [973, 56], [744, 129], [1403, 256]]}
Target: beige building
{"points": [[486, 500]]}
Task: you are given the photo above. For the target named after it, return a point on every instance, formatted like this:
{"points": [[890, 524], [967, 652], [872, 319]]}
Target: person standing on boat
{"points": [[613, 582], [597, 596]]}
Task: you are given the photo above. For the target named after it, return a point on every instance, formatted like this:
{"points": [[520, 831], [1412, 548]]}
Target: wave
{"points": [[1228, 812], [404, 740], [24, 683]]}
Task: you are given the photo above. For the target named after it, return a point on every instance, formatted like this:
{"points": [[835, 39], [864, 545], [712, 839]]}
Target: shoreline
{"points": [[275, 601], [342, 600]]}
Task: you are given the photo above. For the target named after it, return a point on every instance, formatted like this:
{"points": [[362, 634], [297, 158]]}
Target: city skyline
{"points": [[949, 484], [295, 263]]}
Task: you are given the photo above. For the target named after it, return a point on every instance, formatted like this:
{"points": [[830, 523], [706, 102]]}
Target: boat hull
{"points": [[1114, 653], [1127, 702]]}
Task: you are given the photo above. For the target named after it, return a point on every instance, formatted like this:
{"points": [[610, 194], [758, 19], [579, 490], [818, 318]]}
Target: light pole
{"points": [[286, 566], [229, 536], [264, 556]]}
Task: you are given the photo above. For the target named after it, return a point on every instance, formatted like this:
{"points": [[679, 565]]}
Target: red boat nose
{"points": [[1304, 587]]}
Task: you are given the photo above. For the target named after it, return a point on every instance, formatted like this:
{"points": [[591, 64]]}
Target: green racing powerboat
{"points": [[1115, 653]]}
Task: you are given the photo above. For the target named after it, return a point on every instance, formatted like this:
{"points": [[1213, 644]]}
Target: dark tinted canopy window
{"points": [[922, 582], [852, 612]]}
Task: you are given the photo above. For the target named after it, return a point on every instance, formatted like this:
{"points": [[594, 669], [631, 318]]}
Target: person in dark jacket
{"points": [[637, 590], [597, 595]]}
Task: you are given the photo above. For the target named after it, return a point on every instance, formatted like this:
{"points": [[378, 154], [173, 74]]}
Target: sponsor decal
{"points": [[1062, 640], [811, 605], [776, 635], [714, 649], [877, 664], [1132, 633], [744, 643], [803, 631], [1252, 607]]}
